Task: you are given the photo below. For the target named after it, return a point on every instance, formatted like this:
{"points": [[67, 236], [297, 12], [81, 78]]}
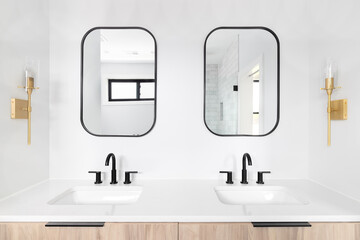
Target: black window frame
{"points": [[138, 90]]}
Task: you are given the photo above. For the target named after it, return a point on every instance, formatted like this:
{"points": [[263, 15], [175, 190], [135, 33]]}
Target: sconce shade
{"points": [[331, 72]]}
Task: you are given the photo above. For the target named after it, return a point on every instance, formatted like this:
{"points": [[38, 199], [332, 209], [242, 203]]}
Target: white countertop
{"points": [[178, 201]]}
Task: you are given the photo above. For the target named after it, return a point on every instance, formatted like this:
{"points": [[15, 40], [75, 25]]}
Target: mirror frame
{"points": [[278, 81], [82, 81]]}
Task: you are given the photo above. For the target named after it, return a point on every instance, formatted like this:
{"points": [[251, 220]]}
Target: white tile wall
{"points": [[212, 109], [228, 73]]}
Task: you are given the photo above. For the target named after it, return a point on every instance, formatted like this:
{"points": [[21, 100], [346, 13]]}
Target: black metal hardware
{"points": [[75, 224], [127, 176], [113, 169], [260, 179], [278, 81], [228, 177], [244, 171], [235, 88], [281, 224], [97, 176]]}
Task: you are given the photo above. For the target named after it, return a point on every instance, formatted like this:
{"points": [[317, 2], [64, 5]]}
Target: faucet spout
{"points": [[113, 167], [244, 171], [246, 156], [107, 161]]}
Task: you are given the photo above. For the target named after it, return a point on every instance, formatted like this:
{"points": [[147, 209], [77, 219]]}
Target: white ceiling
{"points": [[220, 40], [126, 46]]}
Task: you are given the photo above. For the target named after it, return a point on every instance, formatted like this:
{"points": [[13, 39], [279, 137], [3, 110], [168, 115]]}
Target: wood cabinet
{"points": [[245, 231], [213, 231], [137, 231], [181, 231], [333, 231], [110, 231]]}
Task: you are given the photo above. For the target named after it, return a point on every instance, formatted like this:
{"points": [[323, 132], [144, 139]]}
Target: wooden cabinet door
{"points": [[245, 231], [110, 231], [333, 231], [185, 231], [213, 231], [277, 233], [38, 231], [22, 231], [317, 231], [236, 231], [139, 231]]}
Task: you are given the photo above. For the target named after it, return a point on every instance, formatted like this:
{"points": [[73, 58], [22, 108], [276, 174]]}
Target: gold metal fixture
{"points": [[337, 109], [21, 109]]}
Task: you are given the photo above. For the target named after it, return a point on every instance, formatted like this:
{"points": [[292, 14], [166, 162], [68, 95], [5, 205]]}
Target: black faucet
{"points": [[113, 169], [244, 171]]}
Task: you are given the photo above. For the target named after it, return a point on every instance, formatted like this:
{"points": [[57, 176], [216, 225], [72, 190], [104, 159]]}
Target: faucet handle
{"points": [[229, 176], [127, 176], [261, 177], [98, 176]]}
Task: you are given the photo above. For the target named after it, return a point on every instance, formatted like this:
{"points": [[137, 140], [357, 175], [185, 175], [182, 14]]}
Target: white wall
{"points": [[24, 28], [338, 38], [179, 146]]}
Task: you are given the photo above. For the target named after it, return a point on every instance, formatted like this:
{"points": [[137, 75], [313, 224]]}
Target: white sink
{"points": [[103, 195], [257, 195]]}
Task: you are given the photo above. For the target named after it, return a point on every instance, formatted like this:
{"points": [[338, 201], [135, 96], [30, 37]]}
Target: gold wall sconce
{"points": [[21, 109], [336, 109]]}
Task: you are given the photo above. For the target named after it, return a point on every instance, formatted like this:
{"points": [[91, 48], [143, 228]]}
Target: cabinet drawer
{"points": [[246, 231], [110, 231]]}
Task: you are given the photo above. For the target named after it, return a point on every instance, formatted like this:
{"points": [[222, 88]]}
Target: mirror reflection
{"points": [[118, 82], [241, 81]]}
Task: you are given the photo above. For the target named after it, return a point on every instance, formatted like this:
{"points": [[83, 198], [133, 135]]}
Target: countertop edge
{"points": [[183, 219]]}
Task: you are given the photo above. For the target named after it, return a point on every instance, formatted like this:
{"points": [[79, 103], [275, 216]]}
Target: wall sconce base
{"points": [[19, 109], [339, 109]]}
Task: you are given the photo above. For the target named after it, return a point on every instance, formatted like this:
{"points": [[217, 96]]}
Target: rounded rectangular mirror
{"points": [[241, 81], [118, 81]]}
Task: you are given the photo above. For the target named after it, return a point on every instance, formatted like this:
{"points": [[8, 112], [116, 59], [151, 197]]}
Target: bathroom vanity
{"points": [[179, 209]]}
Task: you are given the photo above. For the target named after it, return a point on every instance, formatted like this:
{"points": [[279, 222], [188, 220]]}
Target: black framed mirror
{"points": [[118, 81], [241, 81]]}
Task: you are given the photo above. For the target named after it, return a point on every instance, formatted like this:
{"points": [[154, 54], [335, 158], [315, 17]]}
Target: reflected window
{"points": [[131, 90]]}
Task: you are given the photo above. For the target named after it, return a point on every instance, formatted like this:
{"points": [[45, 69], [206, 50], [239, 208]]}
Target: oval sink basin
{"points": [[105, 195], [255, 195]]}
